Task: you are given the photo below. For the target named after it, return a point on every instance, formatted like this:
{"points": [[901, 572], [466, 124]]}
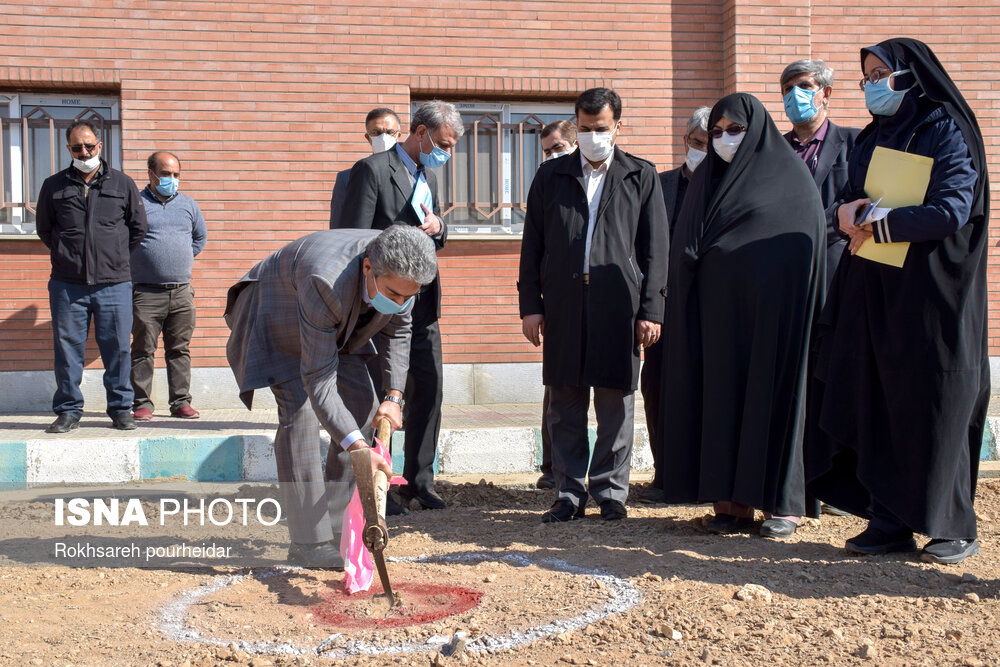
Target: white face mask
{"points": [[727, 145], [87, 166], [596, 146], [694, 158], [383, 142]]}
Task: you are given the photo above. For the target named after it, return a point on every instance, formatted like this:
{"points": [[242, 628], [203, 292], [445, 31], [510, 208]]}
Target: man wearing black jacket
{"points": [[91, 218], [591, 282]]}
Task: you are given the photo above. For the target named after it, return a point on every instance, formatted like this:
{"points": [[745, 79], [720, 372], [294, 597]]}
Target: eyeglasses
{"points": [[76, 148], [378, 132], [732, 131], [875, 76]]}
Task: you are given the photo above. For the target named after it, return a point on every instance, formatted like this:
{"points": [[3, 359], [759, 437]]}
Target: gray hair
{"points": [[699, 120], [435, 114], [404, 252], [817, 69]]}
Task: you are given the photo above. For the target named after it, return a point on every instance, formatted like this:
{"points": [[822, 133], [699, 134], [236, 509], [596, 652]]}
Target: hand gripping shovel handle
{"points": [[381, 482]]}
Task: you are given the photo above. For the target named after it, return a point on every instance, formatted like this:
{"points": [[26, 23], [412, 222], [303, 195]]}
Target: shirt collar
{"points": [[820, 135], [602, 169], [156, 197], [408, 162]]}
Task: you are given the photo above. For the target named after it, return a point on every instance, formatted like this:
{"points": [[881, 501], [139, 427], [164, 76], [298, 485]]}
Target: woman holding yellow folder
{"points": [[901, 375]]}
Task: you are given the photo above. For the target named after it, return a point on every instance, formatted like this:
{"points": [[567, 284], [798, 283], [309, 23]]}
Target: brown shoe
{"points": [[185, 412], [143, 415]]}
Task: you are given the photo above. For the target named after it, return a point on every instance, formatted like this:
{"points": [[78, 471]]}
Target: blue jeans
{"points": [[72, 307]]}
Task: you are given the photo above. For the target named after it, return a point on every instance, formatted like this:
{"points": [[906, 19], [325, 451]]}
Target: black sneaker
{"points": [[123, 421], [948, 552], [875, 542], [64, 423]]}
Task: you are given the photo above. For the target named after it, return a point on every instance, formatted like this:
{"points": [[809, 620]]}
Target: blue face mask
{"points": [[882, 100], [436, 158], [385, 305], [799, 104], [168, 186]]}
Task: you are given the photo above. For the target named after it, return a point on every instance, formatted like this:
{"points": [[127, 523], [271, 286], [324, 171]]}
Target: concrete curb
{"points": [[250, 457], [233, 458]]}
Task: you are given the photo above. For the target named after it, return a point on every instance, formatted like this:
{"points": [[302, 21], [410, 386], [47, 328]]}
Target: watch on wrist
{"points": [[393, 399]]}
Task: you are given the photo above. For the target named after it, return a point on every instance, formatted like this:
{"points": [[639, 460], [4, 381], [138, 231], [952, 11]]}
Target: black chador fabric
{"points": [[899, 395], [745, 279]]}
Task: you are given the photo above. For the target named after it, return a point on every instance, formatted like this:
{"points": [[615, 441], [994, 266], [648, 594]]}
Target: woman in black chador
{"points": [[745, 282], [901, 385]]}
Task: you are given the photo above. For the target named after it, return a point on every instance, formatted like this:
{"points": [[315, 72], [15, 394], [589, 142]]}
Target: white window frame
{"points": [[16, 105], [501, 222]]}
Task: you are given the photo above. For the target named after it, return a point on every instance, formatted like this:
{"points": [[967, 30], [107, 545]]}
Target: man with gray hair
{"points": [[302, 321], [674, 183], [398, 187], [806, 89]]}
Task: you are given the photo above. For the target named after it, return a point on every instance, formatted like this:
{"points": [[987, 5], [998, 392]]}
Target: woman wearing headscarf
{"points": [[899, 395], [745, 282]]}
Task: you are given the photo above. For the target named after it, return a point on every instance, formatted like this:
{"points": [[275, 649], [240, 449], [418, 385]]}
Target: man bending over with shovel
{"points": [[302, 322]]}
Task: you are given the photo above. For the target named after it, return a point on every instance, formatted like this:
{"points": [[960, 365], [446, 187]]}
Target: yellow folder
{"points": [[900, 179]]}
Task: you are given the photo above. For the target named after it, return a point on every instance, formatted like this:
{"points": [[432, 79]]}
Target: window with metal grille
{"points": [[483, 189], [33, 140]]}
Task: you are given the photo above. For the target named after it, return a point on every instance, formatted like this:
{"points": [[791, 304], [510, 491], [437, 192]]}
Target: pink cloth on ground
{"points": [[359, 568]]}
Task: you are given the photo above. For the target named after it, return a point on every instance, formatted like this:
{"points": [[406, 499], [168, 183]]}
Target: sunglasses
{"points": [[76, 148], [732, 131]]}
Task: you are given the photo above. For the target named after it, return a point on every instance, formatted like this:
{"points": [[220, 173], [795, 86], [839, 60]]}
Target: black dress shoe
{"points": [[729, 524], [612, 510], [322, 555], [392, 508], [653, 495], [949, 552], [875, 542], [564, 510], [427, 498], [64, 423], [123, 421], [545, 482], [778, 529]]}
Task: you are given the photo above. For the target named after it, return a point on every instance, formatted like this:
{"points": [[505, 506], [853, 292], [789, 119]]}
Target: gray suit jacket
{"points": [[297, 310]]}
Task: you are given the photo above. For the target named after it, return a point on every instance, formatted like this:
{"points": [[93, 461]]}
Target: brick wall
{"points": [[265, 102]]}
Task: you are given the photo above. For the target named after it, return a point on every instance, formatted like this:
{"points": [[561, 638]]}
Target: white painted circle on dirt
{"points": [[622, 597]]}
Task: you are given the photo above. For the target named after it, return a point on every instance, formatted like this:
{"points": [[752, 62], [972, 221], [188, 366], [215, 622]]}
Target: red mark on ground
{"points": [[421, 603]]}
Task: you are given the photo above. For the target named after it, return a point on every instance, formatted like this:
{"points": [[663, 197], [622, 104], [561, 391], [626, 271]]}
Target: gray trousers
{"points": [[609, 467], [172, 312], [314, 496]]}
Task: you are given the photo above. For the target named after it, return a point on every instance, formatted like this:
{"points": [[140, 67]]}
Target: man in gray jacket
{"points": [[162, 296], [302, 322]]}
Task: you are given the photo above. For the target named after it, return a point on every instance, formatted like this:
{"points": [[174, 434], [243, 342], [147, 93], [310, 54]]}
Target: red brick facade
{"points": [[264, 102]]}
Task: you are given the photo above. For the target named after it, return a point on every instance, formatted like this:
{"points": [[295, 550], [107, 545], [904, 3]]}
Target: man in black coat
{"points": [[592, 280], [398, 187], [381, 133], [91, 218], [806, 88]]}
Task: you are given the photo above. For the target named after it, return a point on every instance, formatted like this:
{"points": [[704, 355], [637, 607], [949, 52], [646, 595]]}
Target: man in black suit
{"points": [[381, 133], [398, 187], [806, 88], [674, 184]]}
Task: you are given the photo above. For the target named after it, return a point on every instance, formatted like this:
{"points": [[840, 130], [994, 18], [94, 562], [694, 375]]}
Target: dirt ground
{"points": [[654, 589]]}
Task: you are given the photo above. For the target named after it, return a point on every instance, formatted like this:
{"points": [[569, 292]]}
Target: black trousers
{"points": [[650, 380], [423, 395], [422, 413]]}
